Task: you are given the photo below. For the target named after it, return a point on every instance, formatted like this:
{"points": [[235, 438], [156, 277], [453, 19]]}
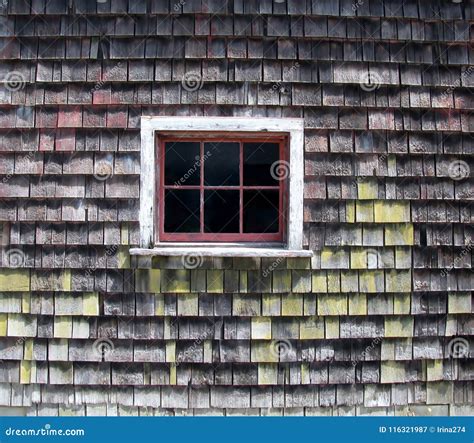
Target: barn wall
{"points": [[380, 321]]}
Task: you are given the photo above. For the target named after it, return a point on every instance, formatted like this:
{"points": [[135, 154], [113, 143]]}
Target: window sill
{"points": [[231, 250]]}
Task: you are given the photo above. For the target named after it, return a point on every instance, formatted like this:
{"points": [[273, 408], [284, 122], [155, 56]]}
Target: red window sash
{"points": [[202, 236]]}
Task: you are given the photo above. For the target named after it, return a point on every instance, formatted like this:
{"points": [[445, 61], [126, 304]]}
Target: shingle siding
{"points": [[379, 321]]}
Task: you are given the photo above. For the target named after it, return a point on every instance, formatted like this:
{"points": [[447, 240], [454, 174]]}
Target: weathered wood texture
{"points": [[379, 320]]}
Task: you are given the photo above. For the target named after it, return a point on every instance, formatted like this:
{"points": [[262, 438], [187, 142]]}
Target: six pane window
{"points": [[222, 189]]}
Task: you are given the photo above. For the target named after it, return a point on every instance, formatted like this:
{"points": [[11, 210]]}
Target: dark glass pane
{"points": [[221, 164], [260, 161], [182, 210], [261, 211], [221, 211], [182, 163]]}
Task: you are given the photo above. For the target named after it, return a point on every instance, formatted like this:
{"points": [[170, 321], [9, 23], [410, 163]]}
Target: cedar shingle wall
{"points": [[379, 321]]}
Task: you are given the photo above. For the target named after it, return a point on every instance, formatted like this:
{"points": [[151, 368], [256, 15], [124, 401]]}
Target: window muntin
{"points": [[222, 188]]}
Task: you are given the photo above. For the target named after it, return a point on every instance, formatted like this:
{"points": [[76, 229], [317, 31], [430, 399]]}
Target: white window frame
{"points": [[151, 126]]}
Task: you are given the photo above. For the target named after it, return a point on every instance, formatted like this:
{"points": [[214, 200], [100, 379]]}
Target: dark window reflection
{"points": [[182, 210], [221, 166], [182, 163], [261, 211], [221, 211], [258, 161]]}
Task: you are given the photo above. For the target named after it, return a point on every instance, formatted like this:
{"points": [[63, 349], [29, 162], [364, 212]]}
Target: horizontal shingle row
{"points": [[406, 186], [344, 118], [263, 374], [369, 234], [435, 9], [430, 398], [244, 282], [54, 246], [69, 210], [69, 143], [390, 28], [387, 211], [299, 95], [280, 313], [128, 342], [32, 48], [113, 230], [71, 187], [99, 73]]}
